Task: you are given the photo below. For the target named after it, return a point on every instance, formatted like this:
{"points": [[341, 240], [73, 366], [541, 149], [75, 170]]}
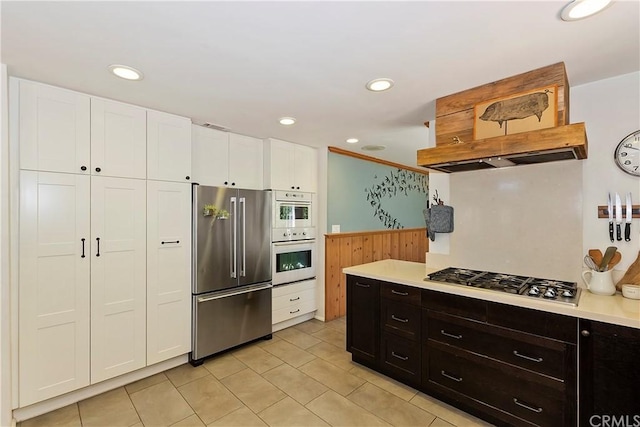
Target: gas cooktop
{"points": [[532, 287]]}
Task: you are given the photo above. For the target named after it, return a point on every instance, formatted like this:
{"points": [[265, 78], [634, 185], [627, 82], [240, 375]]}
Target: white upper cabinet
{"points": [[168, 147], [118, 139], [226, 159], [118, 276], [290, 166], [54, 285], [168, 270], [53, 126], [245, 161]]}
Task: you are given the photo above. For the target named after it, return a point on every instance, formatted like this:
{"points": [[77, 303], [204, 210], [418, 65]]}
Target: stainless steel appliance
{"points": [[231, 272], [531, 287], [293, 261]]}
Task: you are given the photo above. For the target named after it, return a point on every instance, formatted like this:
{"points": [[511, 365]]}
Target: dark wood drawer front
{"points": [[454, 304], [530, 352], [400, 319], [401, 293], [523, 399], [401, 357], [551, 325]]}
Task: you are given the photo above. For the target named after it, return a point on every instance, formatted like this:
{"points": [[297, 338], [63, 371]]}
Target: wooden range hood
{"points": [[454, 122]]}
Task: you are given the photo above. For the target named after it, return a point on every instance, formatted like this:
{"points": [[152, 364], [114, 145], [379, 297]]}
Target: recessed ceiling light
{"points": [[378, 85], [287, 121], [126, 72], [579, 9], [374, 147], [352, 140]]}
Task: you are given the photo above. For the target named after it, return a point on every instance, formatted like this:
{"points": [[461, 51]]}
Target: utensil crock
{"points": [[600, 282]]}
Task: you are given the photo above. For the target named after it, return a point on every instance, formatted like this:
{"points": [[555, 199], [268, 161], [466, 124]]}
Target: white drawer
{"points": [[293, 311], [293, 288], [292, 299]]}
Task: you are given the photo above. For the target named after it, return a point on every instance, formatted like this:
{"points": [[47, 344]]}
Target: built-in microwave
{"points": [[292, 209], [293, 261]]}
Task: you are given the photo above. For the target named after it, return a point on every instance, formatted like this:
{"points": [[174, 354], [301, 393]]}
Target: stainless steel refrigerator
{"points": [[231, 272]]}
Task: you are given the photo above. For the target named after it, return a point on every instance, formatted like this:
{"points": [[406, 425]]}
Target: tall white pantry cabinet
{"points": [[104, 238]]}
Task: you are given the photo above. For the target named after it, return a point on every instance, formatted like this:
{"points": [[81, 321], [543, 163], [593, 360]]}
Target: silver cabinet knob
{"points": [[585, 333]]}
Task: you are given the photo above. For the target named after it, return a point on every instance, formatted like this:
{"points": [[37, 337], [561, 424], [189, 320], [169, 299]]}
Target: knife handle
{"points": [[627, 232], [618, 232], [611, 231]]}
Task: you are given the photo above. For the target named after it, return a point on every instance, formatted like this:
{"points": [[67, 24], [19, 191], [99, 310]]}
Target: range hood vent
{"points": [[545, 145], [455, 123]]}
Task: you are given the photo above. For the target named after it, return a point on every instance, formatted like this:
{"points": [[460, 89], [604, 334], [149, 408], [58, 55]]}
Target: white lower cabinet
{"points": [[293, 300], [118, 276], [54, 284], [168, 270]]}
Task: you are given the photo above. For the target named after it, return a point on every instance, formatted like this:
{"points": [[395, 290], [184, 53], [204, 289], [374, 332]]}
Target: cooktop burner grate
{"points": [[531, 287]]}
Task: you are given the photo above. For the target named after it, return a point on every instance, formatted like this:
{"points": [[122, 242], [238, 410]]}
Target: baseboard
{"points": [[31, 411]]}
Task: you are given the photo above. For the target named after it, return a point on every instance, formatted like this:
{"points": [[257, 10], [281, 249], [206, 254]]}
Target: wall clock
{"points": [[627, 154]]}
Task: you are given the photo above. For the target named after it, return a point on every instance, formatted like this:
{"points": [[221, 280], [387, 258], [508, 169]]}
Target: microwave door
{"points": [[213, 246], [254, 236]]}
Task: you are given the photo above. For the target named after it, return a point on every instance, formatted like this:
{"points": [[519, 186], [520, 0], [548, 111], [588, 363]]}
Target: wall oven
{"points": [[293, 261], [292, 209]]}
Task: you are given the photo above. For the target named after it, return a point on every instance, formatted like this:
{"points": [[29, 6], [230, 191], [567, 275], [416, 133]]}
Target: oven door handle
{"points": [[295, 242]]}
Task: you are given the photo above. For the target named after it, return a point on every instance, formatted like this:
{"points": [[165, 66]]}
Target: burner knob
{"points": [[550, 293], [534, 290], [567, 294]]}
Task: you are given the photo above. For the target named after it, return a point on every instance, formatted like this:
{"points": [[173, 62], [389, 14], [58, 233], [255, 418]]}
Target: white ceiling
{"points": [[245, 64]]}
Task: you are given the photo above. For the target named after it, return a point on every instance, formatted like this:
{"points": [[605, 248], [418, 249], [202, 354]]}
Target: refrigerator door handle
{"points": [[243, 267], [234, 293], [234, 243]]}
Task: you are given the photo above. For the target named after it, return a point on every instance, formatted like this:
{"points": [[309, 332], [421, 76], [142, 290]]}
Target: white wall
{"points": [[5, 330], [611, 110], [321, 230]]}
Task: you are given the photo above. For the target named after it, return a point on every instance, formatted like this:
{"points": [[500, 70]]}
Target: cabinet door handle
{"points": [[98, 240], [585, 333], [98, 170], [404, 294], [533, 359], [451, 377], [447, 334], [172, 241], [294, 311], [294, 299], [363, 285], [398, 319], [524, 405], [82, 256], [399, 356]]}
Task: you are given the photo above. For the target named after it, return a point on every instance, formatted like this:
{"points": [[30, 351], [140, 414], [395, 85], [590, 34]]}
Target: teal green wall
{"points": [[363, 195]]}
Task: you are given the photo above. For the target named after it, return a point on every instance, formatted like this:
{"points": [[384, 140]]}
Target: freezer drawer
{"points": [[225, 319]]}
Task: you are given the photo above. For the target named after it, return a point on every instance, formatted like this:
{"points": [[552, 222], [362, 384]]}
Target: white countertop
{"points": [[610, 309]]}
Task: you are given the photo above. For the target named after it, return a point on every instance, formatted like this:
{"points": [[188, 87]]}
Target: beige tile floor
{"points": [[302, 377]]}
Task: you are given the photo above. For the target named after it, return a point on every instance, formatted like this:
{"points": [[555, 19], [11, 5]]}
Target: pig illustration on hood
{"points": [[521, 107]]}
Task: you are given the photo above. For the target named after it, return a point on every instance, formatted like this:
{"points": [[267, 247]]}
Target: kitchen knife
{"points": [[610, 210], [618, 217], [627, 226]]}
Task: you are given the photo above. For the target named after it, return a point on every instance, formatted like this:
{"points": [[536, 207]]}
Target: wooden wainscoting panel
{"points": [[348, 249]]}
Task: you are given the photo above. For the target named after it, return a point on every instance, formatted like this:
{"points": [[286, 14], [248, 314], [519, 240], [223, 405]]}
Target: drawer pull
{"points": [[404, 294], [447, 334], [533, 359], [294, 299], [399, 356], [524, 405], [398, 319], [363, 285], [294, 311], [452, 377]]}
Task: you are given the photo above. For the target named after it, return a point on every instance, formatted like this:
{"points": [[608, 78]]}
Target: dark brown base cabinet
{"points": [[609, 375], [505, 364]]}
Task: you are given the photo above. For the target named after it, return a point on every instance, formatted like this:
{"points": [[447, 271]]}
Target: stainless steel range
{"points": [[531, 287]]}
